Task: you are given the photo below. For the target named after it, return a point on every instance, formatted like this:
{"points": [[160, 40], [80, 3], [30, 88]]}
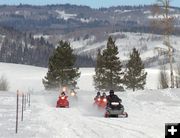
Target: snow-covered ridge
{"points": [[86, 20], [161, 16], [67, 16], [41, 35], [123, 11], [147, 12], [64, 15], [126, 41], [82, 42]]}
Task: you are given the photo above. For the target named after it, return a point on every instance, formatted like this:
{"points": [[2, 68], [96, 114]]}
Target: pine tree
{"points": [[61, 69], [135, 76], [99, 71], [109, 69]]}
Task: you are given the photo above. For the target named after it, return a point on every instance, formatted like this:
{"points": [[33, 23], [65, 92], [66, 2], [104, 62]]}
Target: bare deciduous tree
{"points": [[165, 22], [177, 76], [163, 78]]}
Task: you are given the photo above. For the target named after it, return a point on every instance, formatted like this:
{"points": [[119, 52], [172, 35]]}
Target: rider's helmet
{"points": [[104, 94], [63, 93], [98, 93], [111, 92]]}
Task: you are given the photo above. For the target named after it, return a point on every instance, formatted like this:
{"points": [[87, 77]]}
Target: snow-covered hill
{"points": [[148, 110], [23, 77], [126, 41], [58, 19], [86, 28]]}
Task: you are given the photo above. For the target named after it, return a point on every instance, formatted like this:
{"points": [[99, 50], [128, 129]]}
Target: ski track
{"points": [[80, 126], [112, 125], [148, 110], [82, 120]]}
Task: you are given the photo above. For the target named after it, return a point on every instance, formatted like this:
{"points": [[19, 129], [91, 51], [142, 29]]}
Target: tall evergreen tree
{"points": [[61, 69], [99, 71], [135, 76], [109, 69]]}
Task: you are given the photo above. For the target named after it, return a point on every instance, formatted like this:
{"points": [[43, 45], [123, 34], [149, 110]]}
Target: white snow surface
{"points": [[148, 110]]}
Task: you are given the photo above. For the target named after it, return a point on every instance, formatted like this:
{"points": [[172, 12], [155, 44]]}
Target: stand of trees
{"points": [[27, 50], [109, 74], [22, 48]]}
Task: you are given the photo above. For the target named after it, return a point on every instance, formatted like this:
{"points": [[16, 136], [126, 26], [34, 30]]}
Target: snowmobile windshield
{"points": [[114, 103]]}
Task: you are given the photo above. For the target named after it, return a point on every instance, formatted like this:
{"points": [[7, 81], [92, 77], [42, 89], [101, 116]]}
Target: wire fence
{"points": [[23, 101]]}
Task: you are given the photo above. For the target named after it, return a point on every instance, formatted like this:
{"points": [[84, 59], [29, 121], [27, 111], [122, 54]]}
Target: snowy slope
{"points": [[148, 111], [126, 41], [23, 77]]}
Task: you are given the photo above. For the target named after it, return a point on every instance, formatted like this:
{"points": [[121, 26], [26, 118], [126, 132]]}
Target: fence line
{"points": [[22, 107], [25, 99], [17, 104]]}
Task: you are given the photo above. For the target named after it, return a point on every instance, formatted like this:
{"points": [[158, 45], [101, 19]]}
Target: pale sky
{"points": [[91, 3]]}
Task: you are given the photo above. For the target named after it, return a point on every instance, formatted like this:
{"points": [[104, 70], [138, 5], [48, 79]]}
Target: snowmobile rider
{"points": [[98, 95], [113, 98], [103, 95], [63, 93]]}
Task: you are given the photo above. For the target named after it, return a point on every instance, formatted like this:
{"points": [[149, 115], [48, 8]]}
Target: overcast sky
{"points": [[91, 3]]}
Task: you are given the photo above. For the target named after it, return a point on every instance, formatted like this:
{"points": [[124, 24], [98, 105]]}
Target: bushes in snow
{"points": [[177, 76], [163, 78], [4, 84]]}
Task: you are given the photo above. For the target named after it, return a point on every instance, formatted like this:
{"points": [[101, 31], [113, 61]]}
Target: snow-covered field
{"points": [[23, 77], [148, 110]]}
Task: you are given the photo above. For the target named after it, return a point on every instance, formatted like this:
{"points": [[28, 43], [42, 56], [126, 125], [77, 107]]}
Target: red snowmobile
{"points": [[63, 102], [101, 102], [97, 100]]}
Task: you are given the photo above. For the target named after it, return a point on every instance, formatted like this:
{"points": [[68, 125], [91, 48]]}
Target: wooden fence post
{"points": [[22, 107], [29, 99], [17, 104], [24, 101]]}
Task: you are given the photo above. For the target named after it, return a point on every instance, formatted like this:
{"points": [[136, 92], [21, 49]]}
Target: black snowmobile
{"points": [[114, 107]]}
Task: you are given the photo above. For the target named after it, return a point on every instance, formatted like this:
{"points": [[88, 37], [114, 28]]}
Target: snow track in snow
{"points": [[147, 116], [148, 110], [82, 120]]}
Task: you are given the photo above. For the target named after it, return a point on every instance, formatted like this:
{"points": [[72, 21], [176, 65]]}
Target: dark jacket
{"points": [[113, 98]]}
